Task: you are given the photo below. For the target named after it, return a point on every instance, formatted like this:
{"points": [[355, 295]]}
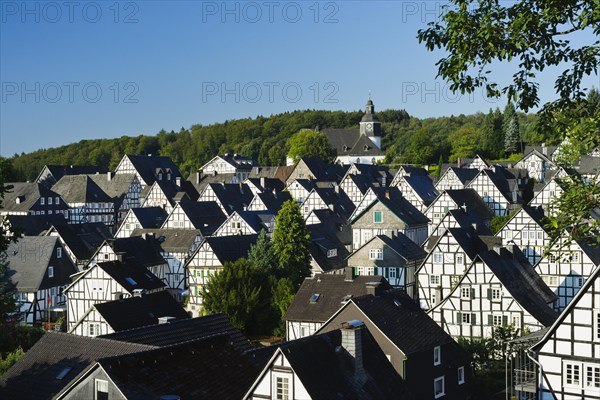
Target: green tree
{"points": [[283, 294], [465, 142], [421, 149], [492, 136], [511, 136], [235, 292], [291, 241], [8, 290], [10, 359], [262, 255], [308, 143]]}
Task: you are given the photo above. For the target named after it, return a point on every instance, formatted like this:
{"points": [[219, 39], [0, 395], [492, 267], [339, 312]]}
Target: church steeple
{"points": [[369, 125]]}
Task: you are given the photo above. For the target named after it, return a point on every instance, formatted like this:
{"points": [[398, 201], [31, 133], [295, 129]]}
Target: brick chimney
{"points": [[373, 288], [349, 274]]}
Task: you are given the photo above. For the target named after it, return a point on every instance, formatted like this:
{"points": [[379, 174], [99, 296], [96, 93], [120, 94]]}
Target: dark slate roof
{"points": [[397, 204], [80, 189], [28, 194], [330, 234], [324, 172], [146, 166], [115, 187], [170, 240], [469, 241], [338, 199], [274, 200], [257, 219], [206, 216], [203, 369], [150, 217], [547, 151], [331, 290], [333, 225], [142, 251], [349, 142], [58, 171], [423, 186], [588, 165], [326, 370], [231, 248], [406, 325], [184, 330], [83, 239], [28, 260], [470, 221], [522, 282], [474, 203], [593, 252], [32, 225], [537, 215], [200, 180], [268, 184], [411, 170], [465, 175], [232, 196], [143, 278], [402, 245], [238, 161], [134, 312], [34, 376]]}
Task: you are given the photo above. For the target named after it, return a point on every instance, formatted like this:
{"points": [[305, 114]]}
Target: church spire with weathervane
{"points": [[369, 125]]}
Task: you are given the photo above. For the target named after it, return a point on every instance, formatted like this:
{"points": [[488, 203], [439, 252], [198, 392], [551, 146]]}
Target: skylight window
{"points": [[131, 281], [315, 297], [63, 373]]}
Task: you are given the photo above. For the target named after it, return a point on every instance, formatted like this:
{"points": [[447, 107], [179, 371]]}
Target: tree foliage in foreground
{"points": [[308, 143]]}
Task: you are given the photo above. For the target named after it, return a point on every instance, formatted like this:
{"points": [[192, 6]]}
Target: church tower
{"points": [[370, 126]]}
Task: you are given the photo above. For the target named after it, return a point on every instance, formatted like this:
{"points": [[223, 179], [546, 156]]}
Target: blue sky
{"points": [[84, 70]]}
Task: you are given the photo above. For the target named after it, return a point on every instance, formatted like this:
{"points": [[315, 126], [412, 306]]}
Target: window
{"points": [[434, 279], [59, 252], [597, 324], [592, 376], [495, 294], [331, 253], [42, 200], [460, 259], [454, 280], [461, 375], [438, 387], [50, 272], [392, 273], [375, 254], [438, 258], [93, 330], [465, 318], [49, 201], [550, 280], [552, 258], [496, 320], [539, 235], [437, 355], [516, 321], [57, 200], [465, 292], [377, 217], [575, 256], [572, 376], [314, 298], [282, 388], [101, 390]]}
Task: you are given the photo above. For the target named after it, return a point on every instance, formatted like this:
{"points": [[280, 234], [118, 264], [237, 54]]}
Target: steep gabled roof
{"points": [[150, 217], [206, 216], [27, 194], [473, 202], [147, 166], [403, 246], [184, 330], [273, 200], [230, 248], [349, 142], [32, 225], [134, 312], [131, 276], [34, 376], [58, 171], [170, 240], [332, 290], [83, 239], [137, 249], [232, 196], [393, 200], [80, 189]]}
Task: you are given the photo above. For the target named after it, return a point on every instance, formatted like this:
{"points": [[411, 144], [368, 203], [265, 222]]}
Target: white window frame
{"points": [[465, 292], [50, 271], [290, 385], [97, 384], [467, 320], [93, 329], [380, 213], [592, 380], [435, 384], [597, 324], [497, 320], [437, 355], [59, 252], [392, 273], [438, 257], [49, 201], [461, 375], [434, 280], [460, 259], [496, 294], [375, 254], [575, 374], [42, 201]]}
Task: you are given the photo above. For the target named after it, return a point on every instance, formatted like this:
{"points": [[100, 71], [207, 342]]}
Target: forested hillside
{"points": [[405, 140]]}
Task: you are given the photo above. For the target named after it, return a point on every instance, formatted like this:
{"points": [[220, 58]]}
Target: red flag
{"points": [[49, 301]]}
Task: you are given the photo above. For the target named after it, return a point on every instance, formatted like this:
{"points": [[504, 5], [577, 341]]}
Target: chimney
{"points": [[120, 257], [241, 188], [387, 194], [458, 162], [138, 292], [178, 181], [349, 272], [373, 288], [109, 176], [544, 149], [352, 342], [464, 207], [336, 188], [263, 182]]}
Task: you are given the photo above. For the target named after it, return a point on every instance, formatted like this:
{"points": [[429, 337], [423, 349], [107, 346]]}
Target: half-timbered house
{"points": [[567, 355], [537, 164], [106, 281], [449, 256], [384, 210], [205, 216], [129, 313], [407, 170], [527, 228], [299, 189], [166, 194], [33, 199], [269, 201], [454, 178], [148, 169], [567, 266], [238, 166], [500, 188], [208, 260], [80, 241], [498, 288], [230, 197], [315, 169], [331, 242], [395, 258], [247, 223], [418, 190], [454, 199], [329, 198], [39, 268], [141, 218], [51, 174]]}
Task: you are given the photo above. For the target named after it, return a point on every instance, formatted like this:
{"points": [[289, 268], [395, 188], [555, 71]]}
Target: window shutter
{"points": [[459, 317], [490, 319], [505, 320], [472, 293], [473, 319], [489, 294]]}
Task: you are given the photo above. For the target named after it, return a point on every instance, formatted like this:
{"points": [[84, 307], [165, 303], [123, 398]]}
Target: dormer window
{"points": [[49, 201], [437, 355], [42, 200], [59, 252], [50, 272]]}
